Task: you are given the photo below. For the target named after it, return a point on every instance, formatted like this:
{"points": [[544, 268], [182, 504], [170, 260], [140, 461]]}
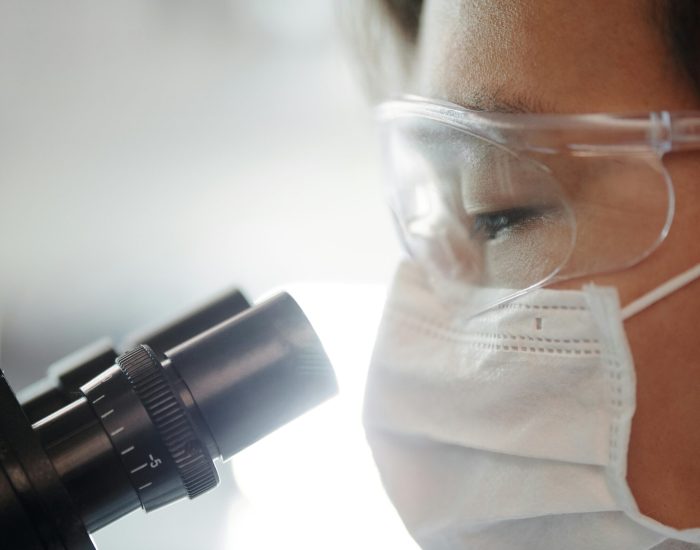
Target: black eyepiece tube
{"points": [[62, 386], [192, 323], [254, 373]]}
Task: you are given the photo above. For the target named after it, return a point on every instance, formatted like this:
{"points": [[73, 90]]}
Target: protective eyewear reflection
{"points": [[494, 205]]}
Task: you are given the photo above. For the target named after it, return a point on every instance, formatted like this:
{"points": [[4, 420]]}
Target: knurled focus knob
{"points": [[170, 418]]}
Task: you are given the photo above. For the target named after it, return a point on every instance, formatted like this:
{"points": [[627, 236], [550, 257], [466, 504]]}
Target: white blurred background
{"points": [[156, 152]]}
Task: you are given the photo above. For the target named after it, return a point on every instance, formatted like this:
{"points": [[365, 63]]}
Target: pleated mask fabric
{"points": [[510, 429]]}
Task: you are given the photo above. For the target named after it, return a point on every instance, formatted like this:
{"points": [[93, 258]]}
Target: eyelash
{"points": [[489, 225]]}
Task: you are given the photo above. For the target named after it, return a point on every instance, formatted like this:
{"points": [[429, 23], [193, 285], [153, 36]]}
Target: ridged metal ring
{"points": [[145, 373]]}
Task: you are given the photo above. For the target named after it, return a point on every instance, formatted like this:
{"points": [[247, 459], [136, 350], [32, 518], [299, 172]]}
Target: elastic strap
{"points": [[661, 292]]}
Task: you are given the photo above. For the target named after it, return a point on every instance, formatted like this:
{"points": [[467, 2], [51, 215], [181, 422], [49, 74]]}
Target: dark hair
{"points": [[406, 14], [678, 20]]}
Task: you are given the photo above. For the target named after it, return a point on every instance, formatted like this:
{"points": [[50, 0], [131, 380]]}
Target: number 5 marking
{"points": [[154, 462]]}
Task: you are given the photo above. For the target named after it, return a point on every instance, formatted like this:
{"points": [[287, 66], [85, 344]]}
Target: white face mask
{"points": [[510, 430]]}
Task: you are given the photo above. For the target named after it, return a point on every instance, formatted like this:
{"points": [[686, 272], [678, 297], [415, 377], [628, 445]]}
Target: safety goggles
{"points": [[494, 205]]}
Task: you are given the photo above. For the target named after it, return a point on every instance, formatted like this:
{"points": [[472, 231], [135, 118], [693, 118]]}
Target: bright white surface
{"points": [[313, 485]]}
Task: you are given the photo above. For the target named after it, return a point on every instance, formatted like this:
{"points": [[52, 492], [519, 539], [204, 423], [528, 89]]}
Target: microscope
{"points": [[110, 431]]}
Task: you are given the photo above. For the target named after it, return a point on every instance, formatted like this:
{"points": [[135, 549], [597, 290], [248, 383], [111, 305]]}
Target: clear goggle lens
{"points": [[490, 222]]}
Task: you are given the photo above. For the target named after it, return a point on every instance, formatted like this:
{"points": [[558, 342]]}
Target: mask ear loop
{"points": [[660, 292]]}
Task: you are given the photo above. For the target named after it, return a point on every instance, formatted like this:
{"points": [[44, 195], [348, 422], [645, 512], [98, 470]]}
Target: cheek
{"points": [[679, 251], [684, 169]]}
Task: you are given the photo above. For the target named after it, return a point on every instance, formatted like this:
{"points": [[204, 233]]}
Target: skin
{"points": [[598, 56]]}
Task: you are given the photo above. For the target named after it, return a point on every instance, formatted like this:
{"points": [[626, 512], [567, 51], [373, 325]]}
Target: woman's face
{"points": [[597, 56]]}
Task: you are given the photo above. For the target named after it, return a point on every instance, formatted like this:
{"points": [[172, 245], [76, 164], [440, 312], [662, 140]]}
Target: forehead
{"points": [[546, 55]]}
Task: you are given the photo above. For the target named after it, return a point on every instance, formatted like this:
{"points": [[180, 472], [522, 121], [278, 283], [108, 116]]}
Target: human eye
{"points": [[498, 223]]}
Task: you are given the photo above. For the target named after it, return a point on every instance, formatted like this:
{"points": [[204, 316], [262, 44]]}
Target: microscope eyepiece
{"points": [[62, 385], [145, 431]]}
